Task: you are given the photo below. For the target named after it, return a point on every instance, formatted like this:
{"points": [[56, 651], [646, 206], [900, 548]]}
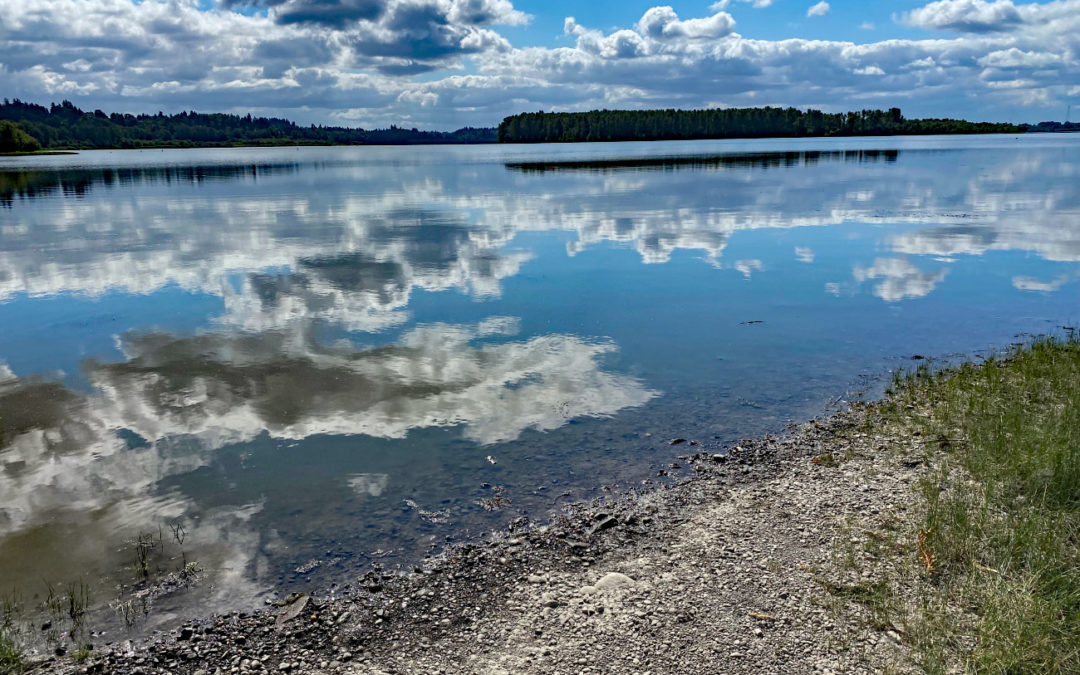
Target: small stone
{"points": [[613, 580], [603, 524], [292, 610]]}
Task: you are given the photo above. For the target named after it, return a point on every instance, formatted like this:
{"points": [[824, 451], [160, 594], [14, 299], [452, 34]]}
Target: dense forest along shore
{"points": [[29, 127]]}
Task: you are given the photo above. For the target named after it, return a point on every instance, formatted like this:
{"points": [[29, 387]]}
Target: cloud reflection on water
{"points": [[184, 397], [899, 279], [352, 255], [228, 388], [92, 463], [296, 255]]}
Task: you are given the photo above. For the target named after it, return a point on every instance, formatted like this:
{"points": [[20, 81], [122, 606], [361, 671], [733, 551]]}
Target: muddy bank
{"points": [[736, 568]]}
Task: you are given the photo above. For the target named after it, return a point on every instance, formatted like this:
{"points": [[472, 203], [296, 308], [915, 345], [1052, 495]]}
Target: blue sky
{"points": [[448, 63], [782, 19]]}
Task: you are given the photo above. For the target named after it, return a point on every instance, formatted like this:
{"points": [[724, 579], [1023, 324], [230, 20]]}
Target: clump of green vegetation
{"points": [[83, 652], [1000, 540], [14, 139], [11, 657], [11, 653]]}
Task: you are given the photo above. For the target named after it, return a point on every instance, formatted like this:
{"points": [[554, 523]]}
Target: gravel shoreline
{"points": [[726, 571]]}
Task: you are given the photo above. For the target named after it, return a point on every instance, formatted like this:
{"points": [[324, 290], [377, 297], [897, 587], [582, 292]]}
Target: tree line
{"points": [[27, 127], [14, 139], [670, 124], [64, 126]]}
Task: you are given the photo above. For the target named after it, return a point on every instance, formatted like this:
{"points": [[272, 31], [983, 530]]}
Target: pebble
{"points": [[613, 580]]}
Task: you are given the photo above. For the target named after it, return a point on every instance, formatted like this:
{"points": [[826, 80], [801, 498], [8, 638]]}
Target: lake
{"points": [[284, 365]]}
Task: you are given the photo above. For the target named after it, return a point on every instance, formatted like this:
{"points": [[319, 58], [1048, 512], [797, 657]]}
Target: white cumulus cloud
{"points": [[974, 16], [447, 63]]}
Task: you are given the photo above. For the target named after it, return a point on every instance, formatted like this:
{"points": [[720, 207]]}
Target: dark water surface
{"points": [[288, 363]]}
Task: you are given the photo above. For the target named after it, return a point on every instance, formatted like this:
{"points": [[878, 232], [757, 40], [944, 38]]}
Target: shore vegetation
{"points": [[998, 544]]}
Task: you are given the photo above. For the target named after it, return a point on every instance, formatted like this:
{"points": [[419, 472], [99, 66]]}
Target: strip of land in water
{"points": [[932, 531]]}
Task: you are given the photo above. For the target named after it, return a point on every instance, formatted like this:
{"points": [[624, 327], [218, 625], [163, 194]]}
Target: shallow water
{"points": [[285, 364]]}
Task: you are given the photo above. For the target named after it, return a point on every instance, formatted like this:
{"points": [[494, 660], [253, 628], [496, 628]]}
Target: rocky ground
{"points": [[753, 563]]}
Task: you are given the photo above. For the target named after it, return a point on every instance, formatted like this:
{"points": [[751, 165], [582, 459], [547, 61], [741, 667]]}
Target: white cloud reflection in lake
{"points": [[353, 251], [171, 334]]}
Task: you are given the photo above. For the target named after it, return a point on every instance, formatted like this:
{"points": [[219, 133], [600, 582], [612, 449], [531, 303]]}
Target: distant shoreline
{"points": [[38, 152], [66, 127], [75, 151], [764, 122]]}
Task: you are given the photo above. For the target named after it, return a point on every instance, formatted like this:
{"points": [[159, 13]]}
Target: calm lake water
{"points": [[286, 364]]}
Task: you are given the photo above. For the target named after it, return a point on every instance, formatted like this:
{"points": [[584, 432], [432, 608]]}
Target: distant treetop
{"points": [[65, 126], [670, 124]]}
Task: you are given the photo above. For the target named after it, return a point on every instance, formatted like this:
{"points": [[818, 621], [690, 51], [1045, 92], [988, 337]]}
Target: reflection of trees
{"points": [[753, 160], [29, 184]]}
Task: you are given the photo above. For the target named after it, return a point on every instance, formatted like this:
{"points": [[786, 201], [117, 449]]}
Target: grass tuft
{"points": [[11, 653]]}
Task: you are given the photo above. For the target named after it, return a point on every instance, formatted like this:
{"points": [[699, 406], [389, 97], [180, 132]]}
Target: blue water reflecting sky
{"points": [[307, 355]]}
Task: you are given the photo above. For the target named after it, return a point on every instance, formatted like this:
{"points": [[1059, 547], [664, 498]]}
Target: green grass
{"points": [[1001, 535], [11, 657]]}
